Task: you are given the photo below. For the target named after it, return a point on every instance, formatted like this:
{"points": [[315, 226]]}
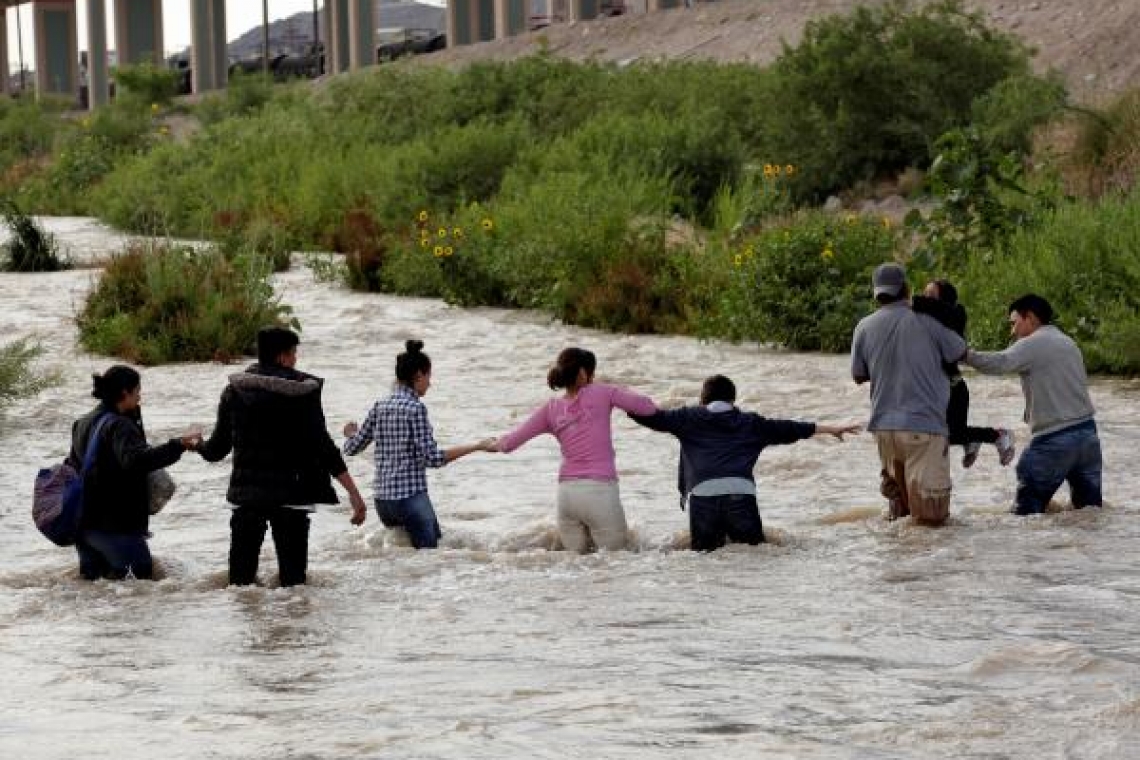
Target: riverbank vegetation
{"points": [[671, 197], [19, 375], [164, 303]]}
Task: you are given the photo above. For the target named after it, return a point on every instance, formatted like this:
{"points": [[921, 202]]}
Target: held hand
{"points": [[359, 510], [351, 429], [191, 442], [490, 445], [840, 430]]}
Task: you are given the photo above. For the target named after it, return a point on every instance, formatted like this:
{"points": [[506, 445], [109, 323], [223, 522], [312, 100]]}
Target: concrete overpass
{"points": [[350, 28], [472, 21]]}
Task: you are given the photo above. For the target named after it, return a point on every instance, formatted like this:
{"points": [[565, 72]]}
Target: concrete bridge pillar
{"points": [[4, 74], [475, 20], [208, 56], [511, 17], [57, 48], [362, 31], [138, 32], [338, 45], [584, 10], [98, 85]]}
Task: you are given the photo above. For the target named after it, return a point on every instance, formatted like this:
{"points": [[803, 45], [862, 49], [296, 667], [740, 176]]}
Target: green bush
{"points": [[866, 95], [30, 248], [27, 133], [146, 83], [18, 376], [803, 284], [169, 304], [1085, 259]]}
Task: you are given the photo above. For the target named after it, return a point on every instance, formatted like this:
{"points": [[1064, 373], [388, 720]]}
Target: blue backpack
{"points": [[57, 500]]}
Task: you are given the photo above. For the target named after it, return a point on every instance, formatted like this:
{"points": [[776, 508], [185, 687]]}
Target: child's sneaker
{"points": [[1006, 446], [971, 454]]}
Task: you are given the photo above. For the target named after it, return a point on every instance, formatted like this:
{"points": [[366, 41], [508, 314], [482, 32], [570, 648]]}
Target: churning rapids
{"points": [[847, 637]]}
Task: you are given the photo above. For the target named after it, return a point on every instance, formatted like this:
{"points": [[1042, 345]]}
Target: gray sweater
{"points": [[1052, 377]]}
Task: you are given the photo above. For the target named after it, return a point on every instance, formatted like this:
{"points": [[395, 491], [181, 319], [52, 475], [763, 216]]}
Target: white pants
{"points": [[590, 510]]}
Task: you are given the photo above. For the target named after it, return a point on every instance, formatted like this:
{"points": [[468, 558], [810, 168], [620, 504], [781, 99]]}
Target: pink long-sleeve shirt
{"points": [[582, 427]]}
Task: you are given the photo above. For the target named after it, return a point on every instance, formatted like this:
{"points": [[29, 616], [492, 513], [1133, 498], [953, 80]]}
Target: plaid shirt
{"points": [[405, 445]]}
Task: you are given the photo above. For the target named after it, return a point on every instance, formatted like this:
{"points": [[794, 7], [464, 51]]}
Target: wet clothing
{"points": [[902, 354], [590, 514], [715, 520], [1053, 378], [1071, 455], [272, 419], [582, 426], [113, 555], [416, 515], [915, 474], [116, 497], [290, 539], [405, 444]]}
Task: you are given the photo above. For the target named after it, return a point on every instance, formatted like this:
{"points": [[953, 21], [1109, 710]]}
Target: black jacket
{"points": [[721, 444], [950, 316], [272, 420], [115, 493]]}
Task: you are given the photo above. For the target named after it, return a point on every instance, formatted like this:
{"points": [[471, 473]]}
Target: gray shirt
{"points": [[1053, 378], [902, 353]]}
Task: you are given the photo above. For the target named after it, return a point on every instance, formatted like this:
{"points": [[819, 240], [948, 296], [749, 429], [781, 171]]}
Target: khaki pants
{"points": [[915, 474], [590, 511]]}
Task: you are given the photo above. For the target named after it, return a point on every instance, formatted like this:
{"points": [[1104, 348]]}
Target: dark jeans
{"points": [[957, 415], [113, 555], [414, 514], [713, 518], [1071, 454], [290, 539]]}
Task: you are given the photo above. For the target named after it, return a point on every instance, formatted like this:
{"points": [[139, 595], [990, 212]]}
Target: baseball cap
{"points": [[889, 279]]}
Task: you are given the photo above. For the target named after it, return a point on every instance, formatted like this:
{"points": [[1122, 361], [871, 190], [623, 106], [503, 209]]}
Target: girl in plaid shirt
{"points": [[405, 448]]}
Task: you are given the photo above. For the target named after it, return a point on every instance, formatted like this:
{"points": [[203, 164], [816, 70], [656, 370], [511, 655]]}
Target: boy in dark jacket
{"points": [[271, 417], [719, 448]]}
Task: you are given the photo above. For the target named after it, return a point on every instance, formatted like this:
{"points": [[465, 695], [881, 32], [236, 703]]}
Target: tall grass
{"points": [[30, 247], [19, 377]]}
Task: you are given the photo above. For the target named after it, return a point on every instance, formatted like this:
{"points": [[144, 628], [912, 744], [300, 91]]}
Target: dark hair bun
{"points": [[414, 346]]}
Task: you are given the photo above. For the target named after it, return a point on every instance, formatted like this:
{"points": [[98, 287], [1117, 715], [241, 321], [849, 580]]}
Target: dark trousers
{"points": [[1069, 455], [712, 519], [290, 538], [957, 415], [113, 555]]}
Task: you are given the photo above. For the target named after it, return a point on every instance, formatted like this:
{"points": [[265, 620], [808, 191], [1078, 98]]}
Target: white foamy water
{"points": [[995, 637]]}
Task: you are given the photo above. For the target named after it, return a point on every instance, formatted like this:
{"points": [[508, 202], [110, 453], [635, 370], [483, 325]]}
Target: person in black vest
{"points": [[271, 417], [116, 501], [719, 448]]}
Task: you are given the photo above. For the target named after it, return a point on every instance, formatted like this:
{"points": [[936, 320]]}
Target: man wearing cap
{"points": [[271, 417], [901, 354], [1065, 445]]}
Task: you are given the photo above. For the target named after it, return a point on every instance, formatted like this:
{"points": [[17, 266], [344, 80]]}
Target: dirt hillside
{"points": [[1095, 44]]}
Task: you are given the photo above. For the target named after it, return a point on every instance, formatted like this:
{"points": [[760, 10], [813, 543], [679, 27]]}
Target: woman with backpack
{"points": [[112, 538]]}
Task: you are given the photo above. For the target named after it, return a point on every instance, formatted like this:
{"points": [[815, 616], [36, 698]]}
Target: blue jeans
{"points": [[712, 519], [414, 514], [1071, 454], [113, 555]]}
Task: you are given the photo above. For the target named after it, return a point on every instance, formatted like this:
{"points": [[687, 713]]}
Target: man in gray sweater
{"points": [[1065, 445]]}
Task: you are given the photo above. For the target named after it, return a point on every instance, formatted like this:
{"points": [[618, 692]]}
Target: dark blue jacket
{"points": [[721, 444]]}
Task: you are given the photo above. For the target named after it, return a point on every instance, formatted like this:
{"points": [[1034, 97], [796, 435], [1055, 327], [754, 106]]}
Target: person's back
{"points": [[720, 445], [282, 452], [902, 353]]}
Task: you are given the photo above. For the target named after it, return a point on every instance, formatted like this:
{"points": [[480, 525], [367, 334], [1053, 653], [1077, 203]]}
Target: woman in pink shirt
{"points": [[589, 505]]}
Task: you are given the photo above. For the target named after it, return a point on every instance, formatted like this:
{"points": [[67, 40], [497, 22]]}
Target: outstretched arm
{"points": [[535, 425]]}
